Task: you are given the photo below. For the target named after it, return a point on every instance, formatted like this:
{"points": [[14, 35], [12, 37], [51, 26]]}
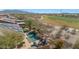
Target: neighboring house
{"points": [[9, 22], [7, 18], [21, 23]]}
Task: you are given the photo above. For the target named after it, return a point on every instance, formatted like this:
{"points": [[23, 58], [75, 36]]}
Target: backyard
{"points": [[40, 31]]}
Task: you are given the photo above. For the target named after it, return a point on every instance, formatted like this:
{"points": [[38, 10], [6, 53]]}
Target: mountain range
{"points": [[14, 12]]}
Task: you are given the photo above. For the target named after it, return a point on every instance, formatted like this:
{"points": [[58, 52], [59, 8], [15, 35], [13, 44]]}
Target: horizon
{"points": [[47, 10]]}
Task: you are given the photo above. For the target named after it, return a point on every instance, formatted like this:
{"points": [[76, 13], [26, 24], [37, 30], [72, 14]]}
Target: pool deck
{"points": [[27, 44]]}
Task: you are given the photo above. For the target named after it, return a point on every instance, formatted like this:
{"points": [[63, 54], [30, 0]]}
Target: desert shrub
{"points": [[30, 23], [58, 43], [10, 39], [76, 45]]}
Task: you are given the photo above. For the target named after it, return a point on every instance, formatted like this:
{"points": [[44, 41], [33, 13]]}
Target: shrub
{"points": [[30, 23], [10, 39], [76, 45], [58, 43]]}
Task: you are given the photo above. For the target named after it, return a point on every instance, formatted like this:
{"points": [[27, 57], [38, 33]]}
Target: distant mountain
{"points": [[14, 12]]}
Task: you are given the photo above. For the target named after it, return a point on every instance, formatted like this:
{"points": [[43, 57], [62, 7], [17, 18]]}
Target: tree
{"points": [[30, 23], [10, 39]]}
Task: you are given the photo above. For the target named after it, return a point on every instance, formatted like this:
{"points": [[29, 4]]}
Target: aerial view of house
{"points": [[39, 29]]}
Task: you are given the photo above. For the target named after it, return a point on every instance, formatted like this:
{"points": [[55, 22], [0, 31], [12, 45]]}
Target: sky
{"points": [[47, 10], [52, 10]]}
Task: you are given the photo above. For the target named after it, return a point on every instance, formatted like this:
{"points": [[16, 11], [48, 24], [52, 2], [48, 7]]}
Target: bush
{"points": [[30, 23], [76, 45], [58, 43], [10, 39]]}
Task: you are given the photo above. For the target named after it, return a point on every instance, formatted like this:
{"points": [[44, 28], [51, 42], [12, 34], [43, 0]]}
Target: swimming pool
{"points": [[32, 36]]}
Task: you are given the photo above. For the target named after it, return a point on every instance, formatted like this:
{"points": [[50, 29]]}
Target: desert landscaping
{"points": [[39, 31]]}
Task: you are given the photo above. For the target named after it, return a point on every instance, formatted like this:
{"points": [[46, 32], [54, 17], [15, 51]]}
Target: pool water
{"points": [[32, 37]]}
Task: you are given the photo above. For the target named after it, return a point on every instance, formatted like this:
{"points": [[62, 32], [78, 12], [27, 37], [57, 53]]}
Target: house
{"points": [[9, 22], [7, 18], [21, 23]]}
